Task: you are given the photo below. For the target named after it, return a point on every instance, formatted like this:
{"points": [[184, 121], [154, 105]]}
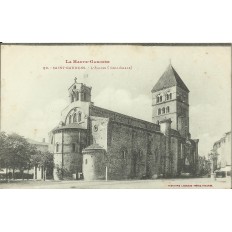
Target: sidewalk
{"points": [[200, 183]]}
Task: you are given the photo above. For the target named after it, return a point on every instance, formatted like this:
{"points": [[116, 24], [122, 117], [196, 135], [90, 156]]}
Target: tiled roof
{"points": [[31, 141], [118, 117], [169, 78], [192, 141], [175, 133], [69, 126], [94, 146]]}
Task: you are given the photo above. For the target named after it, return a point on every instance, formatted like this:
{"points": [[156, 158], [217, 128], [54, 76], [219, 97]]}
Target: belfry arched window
{"points": [[73, 147], [159, 111], [77, 96], [167, 97], [84, 96], [167, 109], [157, 99], [160, 98], [70, 119], [170, 96], [75, 118], [57, 147], [79, 116], [163, 110]]}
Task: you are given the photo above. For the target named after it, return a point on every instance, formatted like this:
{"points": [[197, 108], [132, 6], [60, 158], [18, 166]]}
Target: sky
{"points": [[32, 97]]}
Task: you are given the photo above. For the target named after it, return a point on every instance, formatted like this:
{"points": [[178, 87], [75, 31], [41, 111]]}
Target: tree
{"points": [[18, 153], [15, 153], [3, 149], [44, 160], [47, 162]]}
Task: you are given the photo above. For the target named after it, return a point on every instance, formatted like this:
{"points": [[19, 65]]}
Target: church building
{"points": [[95, 143]]}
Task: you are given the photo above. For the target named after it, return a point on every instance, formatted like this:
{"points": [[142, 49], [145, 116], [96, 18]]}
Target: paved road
{"points": [[205, 183]]}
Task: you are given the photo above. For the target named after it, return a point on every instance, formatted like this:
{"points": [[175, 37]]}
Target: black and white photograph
{"points": [[115, 116]]}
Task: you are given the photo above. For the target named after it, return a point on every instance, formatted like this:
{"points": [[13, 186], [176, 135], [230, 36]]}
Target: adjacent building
{"points": [[220, 155]]}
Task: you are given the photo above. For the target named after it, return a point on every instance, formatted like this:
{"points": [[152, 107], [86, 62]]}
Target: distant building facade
{"points": [[99, 143], [37, 171], [220, 155]]}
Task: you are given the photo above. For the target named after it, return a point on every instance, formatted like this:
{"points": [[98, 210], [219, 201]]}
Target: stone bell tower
{"points": [[170, 101], [79, 92]]}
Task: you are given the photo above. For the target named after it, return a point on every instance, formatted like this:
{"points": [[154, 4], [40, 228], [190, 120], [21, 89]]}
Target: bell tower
{"points": [[170, 101], [79, 92]]}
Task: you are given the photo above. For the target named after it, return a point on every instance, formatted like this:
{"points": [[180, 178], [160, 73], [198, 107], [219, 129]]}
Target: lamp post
{"points": [[106, 173], [106, 169]]}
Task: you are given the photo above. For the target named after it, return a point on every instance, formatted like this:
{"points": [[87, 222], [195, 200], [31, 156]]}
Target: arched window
{"points": [[156, 155], [124, 154], [73, 147], [79, 116], [77, 96], [167, 109], [140, 154], [72, 98], [160, 98], [157, 99], [57, 147], [75, 118], [84, 97], [163, 110], [159, 111], [78, 148], [70, 119], [170, 96], [167, 97]]}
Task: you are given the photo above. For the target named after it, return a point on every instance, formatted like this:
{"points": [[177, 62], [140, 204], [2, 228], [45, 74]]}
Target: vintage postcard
{"points": [[140, 116]]}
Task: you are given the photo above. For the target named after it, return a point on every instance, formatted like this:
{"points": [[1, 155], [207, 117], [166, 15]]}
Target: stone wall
{"points": [[68, 155], [94, 165], [171, 103], [79, 106], [133, 153], [99, 131], [172, 113], [174, 155]]}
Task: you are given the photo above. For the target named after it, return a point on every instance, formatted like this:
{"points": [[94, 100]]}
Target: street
{"points": [[187, 183]]}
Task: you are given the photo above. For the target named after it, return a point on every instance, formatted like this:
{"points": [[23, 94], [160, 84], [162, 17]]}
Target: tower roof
{"points": [[169, 78]]}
